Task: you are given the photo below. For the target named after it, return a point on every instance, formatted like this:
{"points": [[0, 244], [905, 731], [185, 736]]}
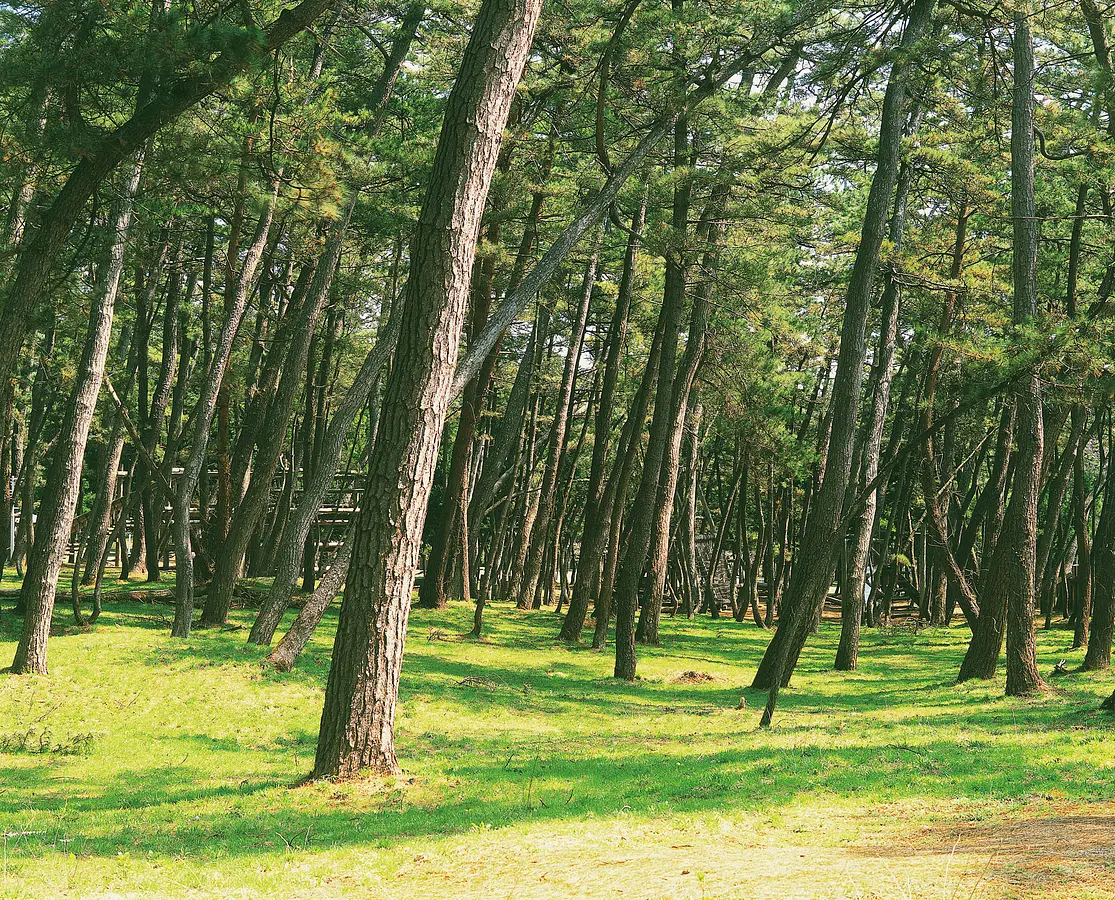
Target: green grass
{"points": [[148, 766]]}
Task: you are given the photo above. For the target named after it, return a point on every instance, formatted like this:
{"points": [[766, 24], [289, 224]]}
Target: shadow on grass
{"points": [[182, 814], [897, 729]]}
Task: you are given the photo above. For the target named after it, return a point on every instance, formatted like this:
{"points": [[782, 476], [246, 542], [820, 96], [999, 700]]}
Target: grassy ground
{"points": [[147, 767]]}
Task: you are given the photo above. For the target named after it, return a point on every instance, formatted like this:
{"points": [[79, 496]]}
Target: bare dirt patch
{"points": [[869, 855], [692, 677]]}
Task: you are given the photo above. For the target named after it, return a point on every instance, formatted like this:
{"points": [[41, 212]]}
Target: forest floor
{"points": [[148, 767]]}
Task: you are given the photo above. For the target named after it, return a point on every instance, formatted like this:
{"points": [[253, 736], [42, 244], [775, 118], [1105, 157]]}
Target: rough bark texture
{"points": [[813, 572], [56, 514], [357, 723]]}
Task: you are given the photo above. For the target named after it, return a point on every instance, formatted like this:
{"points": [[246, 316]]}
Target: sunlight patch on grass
{"points": [[530, 770]]}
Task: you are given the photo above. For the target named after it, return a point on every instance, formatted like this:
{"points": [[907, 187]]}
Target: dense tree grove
{"points": [[626, 310]]}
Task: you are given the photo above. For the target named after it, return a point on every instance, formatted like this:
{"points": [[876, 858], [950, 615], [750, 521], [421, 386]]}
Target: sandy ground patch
{"points": [[1069, 853]]}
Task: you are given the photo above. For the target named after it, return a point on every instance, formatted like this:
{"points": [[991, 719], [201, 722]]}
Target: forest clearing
{"points": [[531, 773]]}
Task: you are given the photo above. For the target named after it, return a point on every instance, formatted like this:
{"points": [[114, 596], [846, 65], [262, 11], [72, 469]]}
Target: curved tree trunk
{"points": [[64, 482]]}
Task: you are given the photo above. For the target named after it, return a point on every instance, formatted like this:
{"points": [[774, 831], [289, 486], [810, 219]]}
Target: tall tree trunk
{"points": [[235, 306], [252, 507], [630, 572], [63, 485], [813, 571], [853, 597], [1008, 585], [540, 534], [594, 533], [357, 723], [615, 493], [647, 632]]}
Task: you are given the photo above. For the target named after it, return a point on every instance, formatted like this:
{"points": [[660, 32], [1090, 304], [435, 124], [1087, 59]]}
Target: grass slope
{"points": [[145, 766]]}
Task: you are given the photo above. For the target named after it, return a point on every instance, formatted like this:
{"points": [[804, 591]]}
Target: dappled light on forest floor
{"points": [[149, 767]]}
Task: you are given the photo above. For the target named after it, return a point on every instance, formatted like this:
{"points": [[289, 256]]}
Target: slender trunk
{"points": [[286, 652], [813, 570], [1008, 585], [647, 631], [252, 507], [548, 494], [298, 528], [203, 418], [594, 533], [615, 493], [60, 500]]}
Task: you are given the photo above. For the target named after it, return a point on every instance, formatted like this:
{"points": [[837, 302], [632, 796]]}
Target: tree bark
{"points": [[813, 571], [853, 596], [63, 486], [357, 724]]}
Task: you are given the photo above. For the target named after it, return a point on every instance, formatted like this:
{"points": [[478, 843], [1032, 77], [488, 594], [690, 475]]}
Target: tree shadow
{"points": [[526, 731]]}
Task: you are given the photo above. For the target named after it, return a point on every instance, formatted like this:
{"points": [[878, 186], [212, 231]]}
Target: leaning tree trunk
{"points": [[813, 571], [203, 419], [64, 482], [357, 723], [294, 641], [298, 528]]}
